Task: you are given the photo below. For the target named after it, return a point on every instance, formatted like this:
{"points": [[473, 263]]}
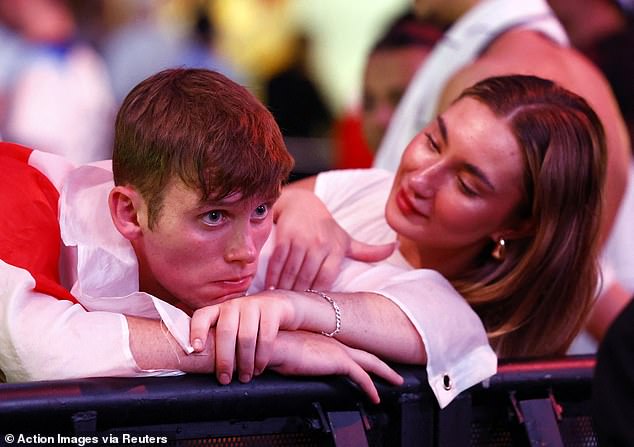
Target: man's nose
{"points": [[241, 248]]}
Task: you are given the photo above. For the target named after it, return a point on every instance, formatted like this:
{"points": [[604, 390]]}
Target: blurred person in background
{"points": [[296, 101], [391, 64], [294, 98], [603, 30], [55, 93], [144, 37]]}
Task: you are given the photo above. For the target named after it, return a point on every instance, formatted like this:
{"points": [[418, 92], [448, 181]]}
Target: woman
{"points": [[501, 194]]}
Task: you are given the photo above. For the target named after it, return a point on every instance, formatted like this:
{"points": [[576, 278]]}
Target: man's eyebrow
{"points": [[443, 129], [477, 172], [227, 201]]}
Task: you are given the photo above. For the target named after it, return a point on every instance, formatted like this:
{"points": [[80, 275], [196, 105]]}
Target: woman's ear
{"points": [[127, 209], [520, 230]]}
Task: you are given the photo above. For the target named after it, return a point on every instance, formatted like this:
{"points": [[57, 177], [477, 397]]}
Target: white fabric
{"points": [[56, 100], [454, 337], [460, 46], [42, 337]]}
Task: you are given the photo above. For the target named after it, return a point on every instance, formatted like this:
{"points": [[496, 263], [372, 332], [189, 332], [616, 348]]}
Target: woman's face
{"points": [[459, 182]]}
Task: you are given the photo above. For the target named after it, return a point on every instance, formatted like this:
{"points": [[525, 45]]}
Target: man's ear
{"points": [[128, 211]]}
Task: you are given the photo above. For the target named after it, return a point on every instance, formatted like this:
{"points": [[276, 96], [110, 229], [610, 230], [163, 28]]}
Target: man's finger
{"points": [[374, 365], [269, 327], [363, 380], [202, 320], [247, 339], [226, 334], [370, 253]]}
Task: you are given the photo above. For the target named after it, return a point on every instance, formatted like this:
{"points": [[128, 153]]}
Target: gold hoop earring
{"points": [[499, 251]]}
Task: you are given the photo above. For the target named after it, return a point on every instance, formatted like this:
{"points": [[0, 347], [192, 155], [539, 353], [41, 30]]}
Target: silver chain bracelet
{"points": [[335, 307]]}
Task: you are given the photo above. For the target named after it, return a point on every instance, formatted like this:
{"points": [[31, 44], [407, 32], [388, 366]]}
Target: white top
{"points": [[460, 46], [45, 338], [454, 337]]}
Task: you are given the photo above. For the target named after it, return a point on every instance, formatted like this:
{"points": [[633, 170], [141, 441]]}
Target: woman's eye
{"points": [[466, 189], [431, 143], [214, 217], [261, 211]]}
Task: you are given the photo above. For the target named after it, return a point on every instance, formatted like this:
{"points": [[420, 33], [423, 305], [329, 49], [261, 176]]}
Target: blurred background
{"points": [[331, 71], [66, 65]]}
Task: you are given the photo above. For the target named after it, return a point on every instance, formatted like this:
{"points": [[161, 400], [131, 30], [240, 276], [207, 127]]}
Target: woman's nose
{"points": [[425, 181]]}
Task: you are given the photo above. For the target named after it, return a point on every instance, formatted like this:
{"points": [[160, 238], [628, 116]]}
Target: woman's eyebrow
{"points": [[443, 129], [477, 172]]}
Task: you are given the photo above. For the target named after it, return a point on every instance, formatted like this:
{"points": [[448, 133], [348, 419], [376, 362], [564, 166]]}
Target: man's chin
{"points": [[229, 296], [218, 300]]}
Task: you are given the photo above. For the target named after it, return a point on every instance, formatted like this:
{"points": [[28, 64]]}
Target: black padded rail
{"points": [[526, 402]]}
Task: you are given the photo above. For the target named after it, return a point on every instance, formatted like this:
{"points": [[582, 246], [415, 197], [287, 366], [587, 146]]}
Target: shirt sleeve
{"points": [[458, 351], [44, 338]]}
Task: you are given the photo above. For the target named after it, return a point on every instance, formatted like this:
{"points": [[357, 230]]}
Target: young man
{"points": [[197, 164]]}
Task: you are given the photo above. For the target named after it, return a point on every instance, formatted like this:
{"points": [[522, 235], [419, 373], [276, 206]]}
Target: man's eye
{"points": [[261, 211], [214, 217]]}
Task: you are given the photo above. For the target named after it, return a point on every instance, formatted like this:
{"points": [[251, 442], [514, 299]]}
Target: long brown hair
{"points": [[535, 301]]}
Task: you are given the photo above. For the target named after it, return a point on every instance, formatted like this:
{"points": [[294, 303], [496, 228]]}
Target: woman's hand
{"points": [[310, 245], [309, 354]]}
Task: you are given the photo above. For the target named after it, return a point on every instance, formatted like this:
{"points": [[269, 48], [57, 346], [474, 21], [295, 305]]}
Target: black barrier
{"points": [[526, 402], [541, 402]]}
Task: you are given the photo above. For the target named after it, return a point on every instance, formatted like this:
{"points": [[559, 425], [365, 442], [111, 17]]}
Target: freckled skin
{"points": [[200, 254]]}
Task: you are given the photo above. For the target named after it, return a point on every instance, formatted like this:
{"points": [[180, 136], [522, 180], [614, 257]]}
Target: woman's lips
{"points": [[405, 204]]}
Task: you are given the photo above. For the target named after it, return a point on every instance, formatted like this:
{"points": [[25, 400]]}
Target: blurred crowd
{"points": [[66, 65]]}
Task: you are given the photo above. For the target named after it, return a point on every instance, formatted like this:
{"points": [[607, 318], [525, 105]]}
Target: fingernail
{"points": [[224, 379], [257, 372], [197, 344], [271, 287], [244, 378]]}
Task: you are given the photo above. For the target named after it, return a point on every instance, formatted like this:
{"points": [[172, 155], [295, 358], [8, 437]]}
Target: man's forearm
{"points": [[153, 347], [370, 322]]}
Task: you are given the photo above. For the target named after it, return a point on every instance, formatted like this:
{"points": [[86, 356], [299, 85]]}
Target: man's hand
{"points": [[310, 245], [245, 331], [309, 354]]}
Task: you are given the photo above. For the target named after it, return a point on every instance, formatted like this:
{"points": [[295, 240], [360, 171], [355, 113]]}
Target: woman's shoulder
{"points": [[353, 178]]}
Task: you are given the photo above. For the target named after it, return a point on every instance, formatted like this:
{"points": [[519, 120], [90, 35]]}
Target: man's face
{"points": [[387, 75], [200, 253]]}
